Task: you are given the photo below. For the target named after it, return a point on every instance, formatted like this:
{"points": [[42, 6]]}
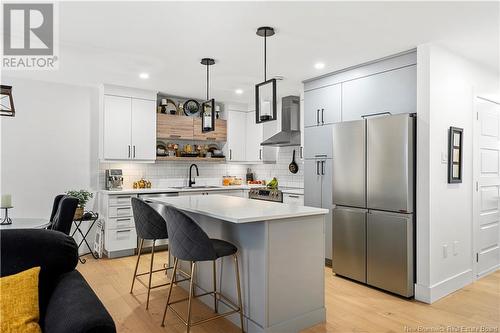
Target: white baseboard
{"points": [[441, 289]]}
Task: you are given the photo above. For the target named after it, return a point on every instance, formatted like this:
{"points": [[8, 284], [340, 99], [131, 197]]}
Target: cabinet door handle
{"points": [[211, 138], [230, 154], [323, 168], [175, 136], [317, 116], [134, 151], [301, 152], [317, 168], [260, 154], [322, 116], [293, 196], [128, 151]]}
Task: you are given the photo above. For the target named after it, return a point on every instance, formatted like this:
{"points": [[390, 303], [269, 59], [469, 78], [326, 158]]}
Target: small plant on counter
{"points": [[83, 197]]}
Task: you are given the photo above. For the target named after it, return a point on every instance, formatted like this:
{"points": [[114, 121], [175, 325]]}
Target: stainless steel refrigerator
{"points": [[373, 192]]}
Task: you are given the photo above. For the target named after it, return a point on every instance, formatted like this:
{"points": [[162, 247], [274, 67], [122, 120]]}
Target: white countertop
{"points": [[238, 210], [288, 190]]}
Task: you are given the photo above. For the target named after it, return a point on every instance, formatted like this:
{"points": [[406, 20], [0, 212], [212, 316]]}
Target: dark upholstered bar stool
{"points": [[150, 225], [187, 241]]}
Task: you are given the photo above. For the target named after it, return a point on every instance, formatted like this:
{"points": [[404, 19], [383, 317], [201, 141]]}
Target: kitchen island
{"points": [[281, 252]]}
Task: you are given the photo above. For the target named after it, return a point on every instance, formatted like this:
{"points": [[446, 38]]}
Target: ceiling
{"points": [[112, 42]]}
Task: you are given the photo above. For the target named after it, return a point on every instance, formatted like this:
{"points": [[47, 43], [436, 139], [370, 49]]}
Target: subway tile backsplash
{"points": [[174, 173]]}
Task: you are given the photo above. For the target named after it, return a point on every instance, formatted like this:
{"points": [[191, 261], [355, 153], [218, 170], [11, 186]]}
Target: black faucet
{"points": [[191, 182]]}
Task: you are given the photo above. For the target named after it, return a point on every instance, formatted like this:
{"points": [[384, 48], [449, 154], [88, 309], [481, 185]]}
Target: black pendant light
{"points": [[265, 92], [208, 107], [6, 101]]}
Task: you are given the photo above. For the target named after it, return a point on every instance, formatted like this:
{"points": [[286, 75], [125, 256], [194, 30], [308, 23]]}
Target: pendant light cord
{"points": [[207, 82], [265, 55]]}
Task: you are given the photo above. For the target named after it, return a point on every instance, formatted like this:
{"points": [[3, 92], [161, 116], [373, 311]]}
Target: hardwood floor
{"points": [[351, 307]]}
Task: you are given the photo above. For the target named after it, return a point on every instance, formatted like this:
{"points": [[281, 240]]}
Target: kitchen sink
{"points": [[195, 187]]}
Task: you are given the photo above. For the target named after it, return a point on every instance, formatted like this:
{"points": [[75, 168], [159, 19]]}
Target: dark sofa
{"points": [[67, 303]]}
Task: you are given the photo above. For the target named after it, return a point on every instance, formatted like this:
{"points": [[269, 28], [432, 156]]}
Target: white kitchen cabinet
{"points": [[236, 136], [323, 106], [393, 91], [255, 134], [120, 238], [143, 129], [293, 199], [128, 129], [318, 193], [254, 137], [318, 141], [117, 127]]}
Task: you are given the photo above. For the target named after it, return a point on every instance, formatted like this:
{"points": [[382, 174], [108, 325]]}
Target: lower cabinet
{"points": [[120, 237], [293, 199]]}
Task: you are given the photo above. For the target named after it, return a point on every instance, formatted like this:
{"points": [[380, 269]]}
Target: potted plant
{"points": [[83, 197]]}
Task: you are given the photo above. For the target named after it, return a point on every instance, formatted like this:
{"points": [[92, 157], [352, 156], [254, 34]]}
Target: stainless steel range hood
{"points": [[290, 124]]}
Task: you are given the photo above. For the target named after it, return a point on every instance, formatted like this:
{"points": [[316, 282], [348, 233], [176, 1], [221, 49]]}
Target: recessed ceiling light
{"points": [[319, 65], [144, 76], [239, 91]]}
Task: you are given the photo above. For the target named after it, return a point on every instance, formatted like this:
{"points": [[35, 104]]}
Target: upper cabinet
{"points": [[219, 134], [128, 130], [323, 106], [236, 136], [393, 91], [255, 134], [174, 127], [117, 127]]}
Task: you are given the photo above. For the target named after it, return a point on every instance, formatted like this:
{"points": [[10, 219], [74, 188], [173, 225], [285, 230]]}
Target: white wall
{"points": [[446, 86], [49, 146]]}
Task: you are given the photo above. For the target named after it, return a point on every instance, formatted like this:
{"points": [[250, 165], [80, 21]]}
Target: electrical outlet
{"points": [[445, 251], [455, 248]]}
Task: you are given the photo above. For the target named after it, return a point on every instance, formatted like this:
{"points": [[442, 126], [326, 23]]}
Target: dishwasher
{"points": [[162, 243]]}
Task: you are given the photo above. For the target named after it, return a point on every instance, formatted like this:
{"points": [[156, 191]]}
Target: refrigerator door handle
{"points": [[323, 168], [376, 114], [317, 168], [317, 116]]}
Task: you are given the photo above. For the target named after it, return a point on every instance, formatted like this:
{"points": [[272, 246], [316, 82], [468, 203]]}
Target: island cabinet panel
{"points": [[281, 266], [219, 134], [174, 127]]}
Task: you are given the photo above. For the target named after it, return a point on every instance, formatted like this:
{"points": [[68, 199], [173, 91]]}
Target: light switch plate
{"points": [[444, 158]]}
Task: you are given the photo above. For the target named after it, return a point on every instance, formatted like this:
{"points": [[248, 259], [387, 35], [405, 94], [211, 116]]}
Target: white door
{"points": [[323, 106], [117, 127], [253, 138], [236, 136], [487, 186], [143, 129]]}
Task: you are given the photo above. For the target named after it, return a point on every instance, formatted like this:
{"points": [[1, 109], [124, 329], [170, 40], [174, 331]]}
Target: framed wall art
{"points": [[455, 155]]}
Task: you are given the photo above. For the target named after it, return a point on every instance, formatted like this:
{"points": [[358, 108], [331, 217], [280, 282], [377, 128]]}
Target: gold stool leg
{"points": [[169, 292], [191, 293], [215, 287], [150, 272], [238, 286], [137, 264]]}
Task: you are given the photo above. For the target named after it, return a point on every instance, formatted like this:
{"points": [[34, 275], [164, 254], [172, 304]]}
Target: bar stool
{"points": [[150, 225], [190, 243]]}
